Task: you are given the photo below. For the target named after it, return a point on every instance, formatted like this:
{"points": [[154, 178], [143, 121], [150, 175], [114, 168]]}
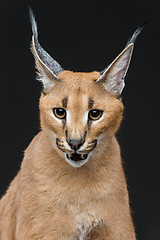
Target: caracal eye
{"points": [[59, 113], [95, 114]]}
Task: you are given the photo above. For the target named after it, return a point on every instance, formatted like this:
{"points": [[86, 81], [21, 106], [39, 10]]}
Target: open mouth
{"points": [[76, 157]]}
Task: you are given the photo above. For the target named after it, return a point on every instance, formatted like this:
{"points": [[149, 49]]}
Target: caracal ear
{"points": [[47, 67], [113, 76]]}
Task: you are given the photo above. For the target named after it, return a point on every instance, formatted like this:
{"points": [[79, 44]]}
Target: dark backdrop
{"points": [[86, 36]]}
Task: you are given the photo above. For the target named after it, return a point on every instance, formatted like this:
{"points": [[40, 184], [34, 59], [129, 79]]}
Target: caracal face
{"points": [[77, 113], [79, 109]]}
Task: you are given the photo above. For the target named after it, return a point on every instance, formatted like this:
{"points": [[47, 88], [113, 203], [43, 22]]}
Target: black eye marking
{"points": [[85, 133], [90, 103], [43, 93], [89, 124], [64, 122], [66, 133], [65, 102]]}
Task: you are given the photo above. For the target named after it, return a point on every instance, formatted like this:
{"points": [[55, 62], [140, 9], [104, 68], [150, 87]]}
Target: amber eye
{"points": [[59, 112], [95, 114]]}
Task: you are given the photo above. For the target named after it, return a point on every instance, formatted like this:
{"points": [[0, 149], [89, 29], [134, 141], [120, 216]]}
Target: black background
{"points": [[86, 36]]}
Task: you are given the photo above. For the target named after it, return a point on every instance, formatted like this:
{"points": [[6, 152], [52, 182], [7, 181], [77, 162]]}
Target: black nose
{"points": [[75, 144]]}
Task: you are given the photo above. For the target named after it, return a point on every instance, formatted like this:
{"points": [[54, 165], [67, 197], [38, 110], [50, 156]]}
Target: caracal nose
{"points": [[75, 144]]}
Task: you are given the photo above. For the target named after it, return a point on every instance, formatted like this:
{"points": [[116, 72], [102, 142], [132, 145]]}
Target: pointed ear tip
{"points": [[130, 45], [129, 48]]}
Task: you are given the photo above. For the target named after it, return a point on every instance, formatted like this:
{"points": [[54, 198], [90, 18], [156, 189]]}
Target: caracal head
{"points": [[79, 110], [77, 113]]}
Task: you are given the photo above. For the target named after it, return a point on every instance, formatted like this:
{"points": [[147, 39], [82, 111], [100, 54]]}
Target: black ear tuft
{"points": [[136, 33], [33, 24], [113, 75], [46, 59], [47, 67]]}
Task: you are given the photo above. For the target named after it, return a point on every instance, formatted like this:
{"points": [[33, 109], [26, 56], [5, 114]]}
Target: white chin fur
{"points": [[76, 164]]}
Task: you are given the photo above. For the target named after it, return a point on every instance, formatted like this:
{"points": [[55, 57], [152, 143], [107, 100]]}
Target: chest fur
{"points": [[86, 225]]}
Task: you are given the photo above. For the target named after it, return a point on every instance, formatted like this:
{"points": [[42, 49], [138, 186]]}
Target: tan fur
{"points": [[51, 200]]}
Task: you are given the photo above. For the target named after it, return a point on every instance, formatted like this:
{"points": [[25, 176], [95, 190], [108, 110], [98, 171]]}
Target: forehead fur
{"points": [[79, 85], [68, 75]]}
